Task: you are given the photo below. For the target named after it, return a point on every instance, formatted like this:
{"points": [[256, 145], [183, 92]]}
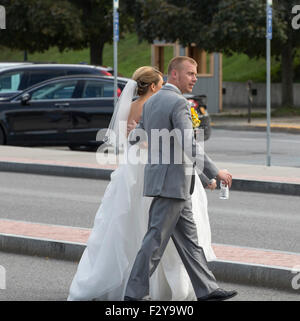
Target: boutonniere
{"points": [[195, 118]]}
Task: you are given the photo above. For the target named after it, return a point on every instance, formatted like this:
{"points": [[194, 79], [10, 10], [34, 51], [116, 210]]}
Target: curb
{"points": [[254, 274], [56, 170], [100, 173], [62, 250], [247, 185], [251, 274], [260, 128]]}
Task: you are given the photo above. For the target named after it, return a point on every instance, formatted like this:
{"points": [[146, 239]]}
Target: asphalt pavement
{"points": [[33, 278], [243, 265]]}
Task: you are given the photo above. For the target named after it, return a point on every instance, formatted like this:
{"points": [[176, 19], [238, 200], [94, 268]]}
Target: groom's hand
{"points": [[212, 185], [225, 176]]}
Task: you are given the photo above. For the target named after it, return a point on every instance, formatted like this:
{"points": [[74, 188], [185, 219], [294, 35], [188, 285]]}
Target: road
{"points": [[249, 147], [247, 219], [31, 278]]}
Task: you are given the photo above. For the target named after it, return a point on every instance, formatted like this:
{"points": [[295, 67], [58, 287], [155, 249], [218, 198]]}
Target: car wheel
{"points": [[2, 137], [73, 147]]}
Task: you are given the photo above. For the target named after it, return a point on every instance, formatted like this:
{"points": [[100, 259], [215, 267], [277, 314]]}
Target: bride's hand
{"points": [[130, 126], [143, 145]]}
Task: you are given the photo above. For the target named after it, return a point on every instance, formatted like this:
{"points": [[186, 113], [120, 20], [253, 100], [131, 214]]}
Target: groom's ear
{"points": [[174, 74]]}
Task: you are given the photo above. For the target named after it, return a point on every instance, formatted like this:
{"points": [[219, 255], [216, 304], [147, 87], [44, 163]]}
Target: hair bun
{"points": [[145, 76], [142, 87]]}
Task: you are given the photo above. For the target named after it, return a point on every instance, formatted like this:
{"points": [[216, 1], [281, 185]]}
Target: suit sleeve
{"points": [[182, 122]]}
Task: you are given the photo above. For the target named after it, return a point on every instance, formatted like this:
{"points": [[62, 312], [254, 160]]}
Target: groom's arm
{"points": [[181, 118], [204, 179], [210, 169]]}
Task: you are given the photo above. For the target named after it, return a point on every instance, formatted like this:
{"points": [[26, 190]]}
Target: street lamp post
{"points": [[116, 39], [268, 58]]}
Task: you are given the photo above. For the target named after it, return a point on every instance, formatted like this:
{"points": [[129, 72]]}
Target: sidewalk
{"points": [[234, 264], [258, 178], [231, 119]]}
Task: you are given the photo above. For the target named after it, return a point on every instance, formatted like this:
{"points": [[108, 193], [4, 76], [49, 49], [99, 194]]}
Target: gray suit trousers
{"points": [[169, 217]]}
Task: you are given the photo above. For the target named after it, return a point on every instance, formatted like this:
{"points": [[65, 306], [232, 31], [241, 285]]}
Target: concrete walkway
{"points": [[230, 120], [259, 178]]}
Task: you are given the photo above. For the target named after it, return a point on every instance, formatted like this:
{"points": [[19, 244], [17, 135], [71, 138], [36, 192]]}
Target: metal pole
{"points": [[269, 37], [250, 99], [268, 103], [116, 39]]}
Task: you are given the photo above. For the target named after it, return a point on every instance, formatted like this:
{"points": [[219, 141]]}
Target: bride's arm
{"points": [[135, 136], [131, 126]]}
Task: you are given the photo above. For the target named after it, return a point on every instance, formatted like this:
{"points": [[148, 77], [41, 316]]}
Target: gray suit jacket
{"points": [[165, 175]]}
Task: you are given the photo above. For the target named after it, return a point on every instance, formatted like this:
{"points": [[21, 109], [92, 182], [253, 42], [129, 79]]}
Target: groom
{"points": [[171, 185]]}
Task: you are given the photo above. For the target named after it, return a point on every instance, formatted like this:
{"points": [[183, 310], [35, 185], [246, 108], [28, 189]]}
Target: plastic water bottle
{"points": [[224, 191]]}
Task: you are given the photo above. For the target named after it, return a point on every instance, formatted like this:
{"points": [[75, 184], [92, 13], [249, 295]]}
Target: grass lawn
{"points": [[132, 54]]}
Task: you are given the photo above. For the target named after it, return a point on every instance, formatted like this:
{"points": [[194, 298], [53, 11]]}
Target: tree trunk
{"points": [[287, 74], [96, 52], [25, 55]]}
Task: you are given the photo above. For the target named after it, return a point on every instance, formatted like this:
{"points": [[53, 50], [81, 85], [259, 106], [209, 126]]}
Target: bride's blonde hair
{"points": [[145, 76]]}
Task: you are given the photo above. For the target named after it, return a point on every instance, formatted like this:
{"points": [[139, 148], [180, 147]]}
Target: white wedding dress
{"points": [[119, 227]]}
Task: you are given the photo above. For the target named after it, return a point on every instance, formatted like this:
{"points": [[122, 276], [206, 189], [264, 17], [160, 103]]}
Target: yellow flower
{"points": [[195, 118]]}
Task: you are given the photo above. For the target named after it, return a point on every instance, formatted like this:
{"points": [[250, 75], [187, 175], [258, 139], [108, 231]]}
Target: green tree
{"points": [[37, 25], [244, 31], [97, 23], [223, 25]]}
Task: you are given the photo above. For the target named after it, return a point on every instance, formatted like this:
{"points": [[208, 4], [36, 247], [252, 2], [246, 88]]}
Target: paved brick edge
{"points": [[240, 184], [80, 235]]}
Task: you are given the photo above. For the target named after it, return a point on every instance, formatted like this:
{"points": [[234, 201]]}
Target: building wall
{"points": [[236, 95], [210, 86]]}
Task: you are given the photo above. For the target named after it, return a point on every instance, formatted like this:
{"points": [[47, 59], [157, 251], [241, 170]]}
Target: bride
{"points": [[122, 218]]}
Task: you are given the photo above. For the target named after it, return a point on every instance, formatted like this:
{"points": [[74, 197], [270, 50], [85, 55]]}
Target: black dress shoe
{"points": [[218, 295], [128, 298]]}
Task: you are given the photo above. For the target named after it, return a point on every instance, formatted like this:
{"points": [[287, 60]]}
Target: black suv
{"points": [[16, 78], [67, 110]]}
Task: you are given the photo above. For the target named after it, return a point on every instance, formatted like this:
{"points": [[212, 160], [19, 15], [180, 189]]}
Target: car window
{"points": [[10, 81], [36, 76], [81, 71], [95, 89], [56, 90]]}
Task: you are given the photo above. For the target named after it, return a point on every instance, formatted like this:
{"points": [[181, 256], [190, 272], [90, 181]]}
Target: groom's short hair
{"points": [[177, 61]]}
